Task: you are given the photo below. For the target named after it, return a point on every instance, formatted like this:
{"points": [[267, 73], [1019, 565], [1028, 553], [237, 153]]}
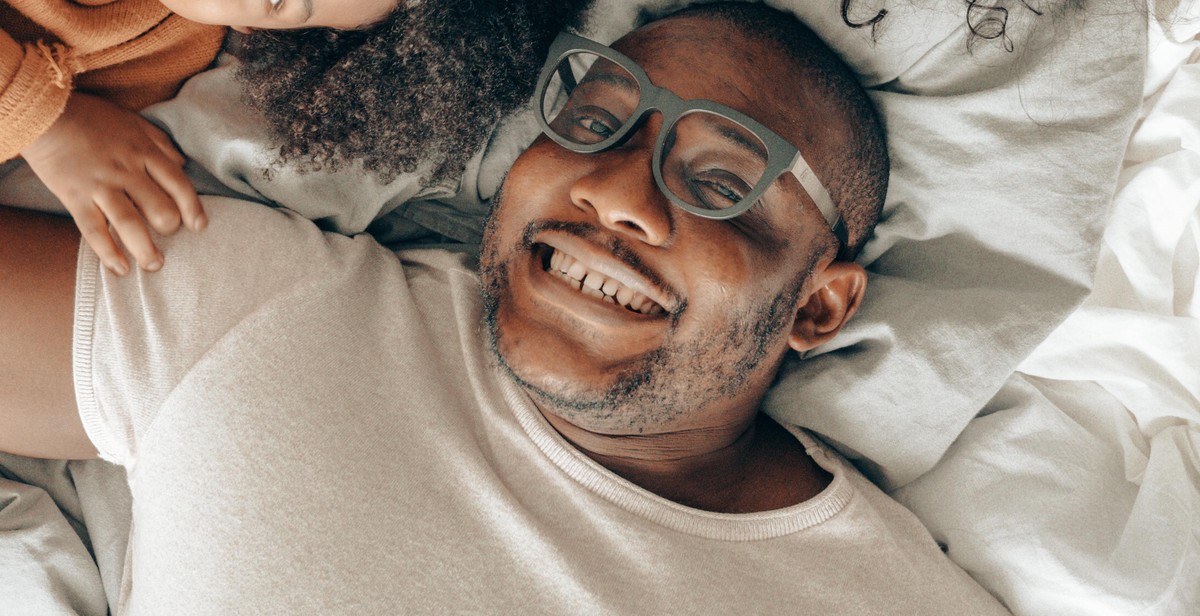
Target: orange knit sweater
{"points": [[131, 52]]}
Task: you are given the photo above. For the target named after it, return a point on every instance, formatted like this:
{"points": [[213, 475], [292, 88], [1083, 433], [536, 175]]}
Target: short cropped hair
{"points": [[857, 175]]}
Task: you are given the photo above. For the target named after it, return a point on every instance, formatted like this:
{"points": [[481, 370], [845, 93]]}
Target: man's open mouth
{"points": [[595, 284]]}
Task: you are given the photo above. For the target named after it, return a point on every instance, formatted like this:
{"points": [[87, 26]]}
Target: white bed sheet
{"points": [[1077, 490]]}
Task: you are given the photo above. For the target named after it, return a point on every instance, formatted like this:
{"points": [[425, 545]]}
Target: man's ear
{"points": [[836, 294]]}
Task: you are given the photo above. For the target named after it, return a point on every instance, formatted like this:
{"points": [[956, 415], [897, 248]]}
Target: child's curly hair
{"points": [[423, 86]]}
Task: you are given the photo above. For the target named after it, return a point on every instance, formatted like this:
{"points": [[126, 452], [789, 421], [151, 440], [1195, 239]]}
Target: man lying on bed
{"points": [[312, 424]]}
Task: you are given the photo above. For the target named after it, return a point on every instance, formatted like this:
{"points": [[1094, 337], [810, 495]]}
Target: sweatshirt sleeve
{"points": [[138, 336], [35, 82]]}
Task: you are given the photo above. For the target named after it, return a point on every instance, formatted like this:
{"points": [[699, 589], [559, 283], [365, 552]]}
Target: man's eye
{"points": [[589, 124], [717, 189], [274, 5], [596, 126]]}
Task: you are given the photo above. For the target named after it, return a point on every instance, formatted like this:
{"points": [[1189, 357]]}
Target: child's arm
{"points": [[110, 166]]}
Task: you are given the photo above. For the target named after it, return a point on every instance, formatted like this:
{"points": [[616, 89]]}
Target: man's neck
{"points": [[755, 467]]}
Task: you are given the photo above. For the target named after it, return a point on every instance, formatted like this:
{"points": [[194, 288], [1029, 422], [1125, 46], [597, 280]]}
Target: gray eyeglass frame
{"points": [[782, 156]]}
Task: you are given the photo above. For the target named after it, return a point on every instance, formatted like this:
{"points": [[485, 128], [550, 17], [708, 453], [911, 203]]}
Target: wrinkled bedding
{"points": [[1077, 490], [1074, 491]]}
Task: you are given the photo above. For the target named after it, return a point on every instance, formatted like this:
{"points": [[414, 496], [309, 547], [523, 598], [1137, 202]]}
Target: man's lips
{"points": [[595, 272]]}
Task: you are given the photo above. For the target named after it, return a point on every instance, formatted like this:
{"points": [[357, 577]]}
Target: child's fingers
{"points": [[94, 229], [129, 226], [156, 206], [164, 143], [173, 180]]}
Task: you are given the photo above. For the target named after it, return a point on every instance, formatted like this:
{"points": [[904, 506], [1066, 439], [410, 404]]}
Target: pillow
{"points": [[1004, 165]]}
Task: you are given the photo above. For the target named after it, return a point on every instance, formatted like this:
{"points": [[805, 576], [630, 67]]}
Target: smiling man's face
{"points": [[623, 314]]}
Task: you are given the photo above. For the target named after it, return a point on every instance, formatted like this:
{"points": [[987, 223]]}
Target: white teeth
{"points": [[623, 294], [598, 285], [594, 281], [644, 305]]}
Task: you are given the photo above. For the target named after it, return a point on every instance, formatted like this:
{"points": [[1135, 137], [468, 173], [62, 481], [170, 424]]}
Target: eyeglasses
{"points": [[710, 160]]}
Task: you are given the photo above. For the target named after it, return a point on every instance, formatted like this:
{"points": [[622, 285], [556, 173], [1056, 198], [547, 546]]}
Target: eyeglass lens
{"points": [[707, 160]]}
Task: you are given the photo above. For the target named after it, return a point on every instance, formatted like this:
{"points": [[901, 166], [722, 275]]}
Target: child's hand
{"points": [[109, 165]]}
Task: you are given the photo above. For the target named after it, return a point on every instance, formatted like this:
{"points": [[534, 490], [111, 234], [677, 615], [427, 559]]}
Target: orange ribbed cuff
{"points": [[32, 100]]}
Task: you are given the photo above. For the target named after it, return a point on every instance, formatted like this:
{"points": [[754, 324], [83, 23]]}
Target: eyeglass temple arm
{"points": [[820, 196]]}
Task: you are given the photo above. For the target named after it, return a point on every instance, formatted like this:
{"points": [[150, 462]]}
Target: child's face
{"points": [[246, 15]]}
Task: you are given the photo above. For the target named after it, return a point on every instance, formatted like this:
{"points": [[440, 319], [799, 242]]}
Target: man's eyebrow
{"points": [[621, 80], [738, 136]]}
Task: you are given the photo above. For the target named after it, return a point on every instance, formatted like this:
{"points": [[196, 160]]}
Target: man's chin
{"points": [[622, 404], [596, 412]]}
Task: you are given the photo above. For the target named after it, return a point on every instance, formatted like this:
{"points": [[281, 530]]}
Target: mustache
{"points": [[615, 245]]}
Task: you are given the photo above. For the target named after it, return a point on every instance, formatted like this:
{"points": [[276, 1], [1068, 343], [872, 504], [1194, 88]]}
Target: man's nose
{"points": [[621, 190]]}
